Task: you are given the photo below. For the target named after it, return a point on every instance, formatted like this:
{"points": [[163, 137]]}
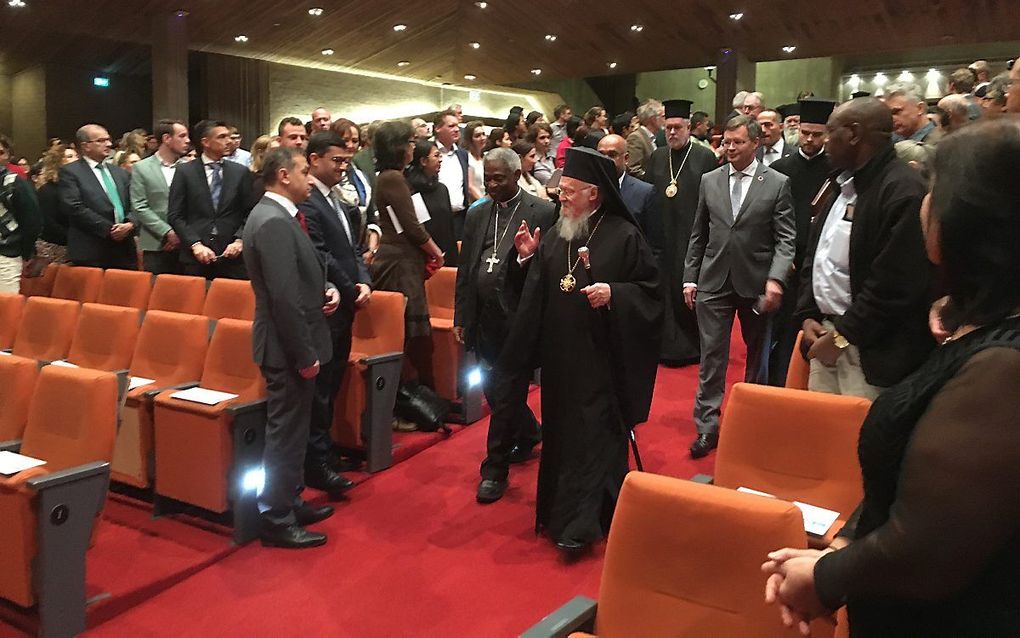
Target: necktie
{"points": [[738, 186], [216, 185], [361, 188], [112, 193], [342, 215], [301, 221]]}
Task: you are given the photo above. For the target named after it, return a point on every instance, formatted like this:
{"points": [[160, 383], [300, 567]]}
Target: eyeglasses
{"points": [[1010, 63]]}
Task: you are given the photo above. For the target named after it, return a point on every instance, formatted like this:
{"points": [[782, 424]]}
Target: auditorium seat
{"points": [[78, 283], [11, 306], [799, 370], [17, 382], [42, 285], [363, 413], [72, 422], [450, 364], [46, 328], [128, 288], [684, 559], [230, 299], [204, 452], [795, 445], [104, 338], [170, 350], [178, 293]]}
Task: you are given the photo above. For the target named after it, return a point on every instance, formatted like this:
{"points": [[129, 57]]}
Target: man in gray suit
{"points": [[738, 261], [150, 192], [290, 341], [641, 142]]}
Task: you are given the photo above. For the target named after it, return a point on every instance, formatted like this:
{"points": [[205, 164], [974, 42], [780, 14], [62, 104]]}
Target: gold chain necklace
{"points": [[671, 190], [568, 282]]}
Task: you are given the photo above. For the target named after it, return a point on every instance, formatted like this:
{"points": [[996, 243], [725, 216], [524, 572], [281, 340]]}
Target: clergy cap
{"points": [[815, 110], [678, 108], [857, 94], [787, 110], [592, 167]]}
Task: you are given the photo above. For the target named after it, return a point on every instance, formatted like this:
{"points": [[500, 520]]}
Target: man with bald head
{"points": [[955, 111], [865, 282], [321, 119], [639, 196], [773, 143]]}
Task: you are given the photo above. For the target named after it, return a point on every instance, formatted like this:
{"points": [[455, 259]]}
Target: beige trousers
{"points": [[10, 274], [846, 377]]}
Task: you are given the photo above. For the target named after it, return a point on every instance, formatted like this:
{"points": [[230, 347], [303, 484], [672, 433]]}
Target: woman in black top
{"points": [[936, 547], [52, 242], [423, 178]]}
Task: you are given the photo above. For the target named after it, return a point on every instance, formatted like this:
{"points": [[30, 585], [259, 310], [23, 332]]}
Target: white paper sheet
{"points": [[201, 395], [11, 462], [62, 364], [421, 211], [5, 353], [137, 382], [393, 218], [817, 520]]}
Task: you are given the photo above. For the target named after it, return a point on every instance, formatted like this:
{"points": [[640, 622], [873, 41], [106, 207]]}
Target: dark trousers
{"points": [[715, 312], [118, 262], [289, 406], [784, 337], [161, 262], [225, 268], [331, 376]]}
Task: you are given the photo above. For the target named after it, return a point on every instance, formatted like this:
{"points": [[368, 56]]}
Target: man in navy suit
{"points": [[332, 230], [453, 172], [638, 195], [96, 200]]}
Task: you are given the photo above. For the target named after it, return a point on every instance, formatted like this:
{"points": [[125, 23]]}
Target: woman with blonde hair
{"points": [[259, 148], [52, 242]]}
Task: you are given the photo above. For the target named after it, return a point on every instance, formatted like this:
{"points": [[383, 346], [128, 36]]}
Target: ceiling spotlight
{"points": [[736, 16], [550, 37], [403, 63], [240, 38], [536, 71], [315, 11], [15, 4], [470, 78], [637, 28], [710, 68], [181, 13], [481, 5], [400, 27], [327, 52], [474, 45], [789, 49], [611, 65]]}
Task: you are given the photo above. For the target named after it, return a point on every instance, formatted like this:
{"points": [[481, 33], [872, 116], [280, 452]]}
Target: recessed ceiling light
{"points": [[181, 13], [550, 37], [536, 71], [327, 52], [16, 4], [637, 28], [611, 65], [789, 49], [474, 45], [736, 16], [470, 77], [710, 68], [240, 38], [403, 63], [315, 11], [400, 27], [481, 5]]}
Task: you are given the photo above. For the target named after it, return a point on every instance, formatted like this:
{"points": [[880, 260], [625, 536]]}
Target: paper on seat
{"points": [[60, 363], [11, 462], [817, 520], [201, 395], [137, 382]]}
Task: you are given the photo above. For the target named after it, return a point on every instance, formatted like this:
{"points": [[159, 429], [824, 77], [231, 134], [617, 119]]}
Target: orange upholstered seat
{"points": [[170, 350], [129, 288], [42, 285], [11, 306], [230, 299], [46, 328], [440, 291], [178, 293], [793, 444], [195, 452], [800, 369], [105, 337], [17, 382], [79, 283]]}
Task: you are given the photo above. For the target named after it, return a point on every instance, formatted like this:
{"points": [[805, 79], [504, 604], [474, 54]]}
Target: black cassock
{"points": [[669, 231], [598, 370]]}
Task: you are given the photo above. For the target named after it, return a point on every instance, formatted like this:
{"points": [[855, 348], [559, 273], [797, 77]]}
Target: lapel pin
{"points": [[761, 178]]}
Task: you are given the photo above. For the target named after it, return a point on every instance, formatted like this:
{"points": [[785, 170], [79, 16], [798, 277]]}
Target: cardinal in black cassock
{"points": [[594, 329], [675, 170]]}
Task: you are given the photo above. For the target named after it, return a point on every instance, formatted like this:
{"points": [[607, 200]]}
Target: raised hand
{"points": [[525, 241]]}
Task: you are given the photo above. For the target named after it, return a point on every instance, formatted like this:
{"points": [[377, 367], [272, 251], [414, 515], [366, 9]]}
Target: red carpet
{"points": [[410, 553]]}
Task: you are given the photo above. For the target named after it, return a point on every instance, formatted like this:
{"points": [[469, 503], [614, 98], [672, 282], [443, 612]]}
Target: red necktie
{"points": [[301, 221]]}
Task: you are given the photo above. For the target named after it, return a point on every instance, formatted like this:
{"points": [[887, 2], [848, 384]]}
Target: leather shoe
{"points": [[322, 477], [519, 454], [705, 443], [571, 547], [490, 491], [290, 537], [309, 514]]}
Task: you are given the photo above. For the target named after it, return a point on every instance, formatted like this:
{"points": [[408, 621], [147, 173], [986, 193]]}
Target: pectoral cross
{"points": [[492, 261]]}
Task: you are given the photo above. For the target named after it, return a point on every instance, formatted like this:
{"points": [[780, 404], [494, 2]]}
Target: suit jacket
{"points": [[149, 198], [639, 197], [190, 210], [287, 275], [90, 214], [890, 276], [639, 149], [757, 246], [788, 150], [344, 265], [539, 213]]}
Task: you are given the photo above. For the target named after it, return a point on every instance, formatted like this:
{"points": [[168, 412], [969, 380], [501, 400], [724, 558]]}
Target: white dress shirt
{"points": [[830, 275], [94, 165], [283, 201], [746, 176], [451, 174], [774, 152], [327, 192], [651, 137], [206, 161], [241, 157]]}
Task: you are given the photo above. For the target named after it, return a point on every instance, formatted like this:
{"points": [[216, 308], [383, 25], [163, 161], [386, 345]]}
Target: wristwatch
{"points": [[839, 340]]}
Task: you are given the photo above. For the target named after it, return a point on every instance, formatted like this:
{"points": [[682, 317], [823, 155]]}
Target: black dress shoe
{"points": [[321, 476], [704, 444], [490, 491], [309, 514], [519, 454], [572, 547], [290, 537]]}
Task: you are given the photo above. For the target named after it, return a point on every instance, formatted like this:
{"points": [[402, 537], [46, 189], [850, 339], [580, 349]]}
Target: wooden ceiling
{"points": [[510, 33]]}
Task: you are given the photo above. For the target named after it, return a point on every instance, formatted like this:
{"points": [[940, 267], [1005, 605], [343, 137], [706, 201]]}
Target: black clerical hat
{"points": [[857, 94], [678, 108], [787, 110], [815, 110], [592, 167]]}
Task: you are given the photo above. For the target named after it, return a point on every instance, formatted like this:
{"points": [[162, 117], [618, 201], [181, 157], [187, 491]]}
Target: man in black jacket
{"points": [[865, 288], [20, 222], [485, 305], [209, 202]]}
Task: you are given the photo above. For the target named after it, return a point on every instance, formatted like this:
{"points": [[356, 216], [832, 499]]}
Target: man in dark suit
{"points": [[454, 170], [638, 195], [96, 199], [739, 261], [290, 341], [209, 202], [331, 229], [484, 307], [773, 145]]}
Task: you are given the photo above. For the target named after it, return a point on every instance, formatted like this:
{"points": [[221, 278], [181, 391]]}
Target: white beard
{"points": [[573, 228]]}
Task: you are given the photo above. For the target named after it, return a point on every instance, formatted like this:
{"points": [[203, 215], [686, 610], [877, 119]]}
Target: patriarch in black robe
{"points": [[590, 316]]}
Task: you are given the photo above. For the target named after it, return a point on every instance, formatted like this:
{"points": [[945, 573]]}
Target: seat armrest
{"points": [[704, 479], [151, 394], [10, 446], [381, 358], [578, 614], [70, 475], [245, 408]]}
